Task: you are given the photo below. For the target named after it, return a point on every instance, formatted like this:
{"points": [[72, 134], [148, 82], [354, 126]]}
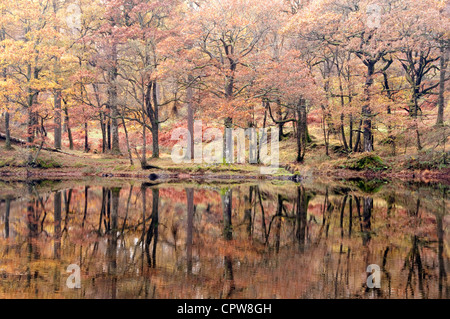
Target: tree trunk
{"points": [[366, 110], [190, 119], [358, 137], [155, 141], [112, 101], [7, 131], [86, 138], [228, 140], [155, 123], [69, 131], [130, 156], [108, 130], [443, 70], [57, 104], [325, 131], [350, 138], [30, 134], [144, 146], [301, 130], [103, 129], [280, 119]]}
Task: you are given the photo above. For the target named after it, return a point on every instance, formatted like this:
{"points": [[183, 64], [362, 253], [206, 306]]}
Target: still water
{"points": [[133, 239]]}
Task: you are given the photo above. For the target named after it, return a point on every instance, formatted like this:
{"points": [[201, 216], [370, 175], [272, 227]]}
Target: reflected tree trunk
{"points": [[112, 240], [350, 216], [102, 210], [152, 233], [366, 222], [57, 225], [442, 272], [7, 213], [227, 205], [190, 226], [263, 215], [57, 203], [248, 200], [278, 225], [33, 228], [86, 193], [341, 221], [67, 200], [301, 218]]}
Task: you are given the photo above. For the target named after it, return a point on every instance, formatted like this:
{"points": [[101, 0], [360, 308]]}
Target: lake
{"points": [[277, 239]]}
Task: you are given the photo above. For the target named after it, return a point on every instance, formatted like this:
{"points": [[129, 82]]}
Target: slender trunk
{"points": [[7, 131], [86, 204], [108, 130], [301, 130], [57, 225], [86, 138], [248, 211], [227, 204], [190, 226], [325, 131], [127, 140], [112, 101], [103, 129], [152, 233], [30, 138], [258, 155], [280, 119], [301, 218], [367, 217], [5, 73], [190, 119], [69, 131], [228, 140], [227, 198], [155, 141], [358, 137], [344, 139], [7, 211], [144, 146], [341, 90], [350, 138], [58, 130], [443, 70], [366, 110], [155, 123]]}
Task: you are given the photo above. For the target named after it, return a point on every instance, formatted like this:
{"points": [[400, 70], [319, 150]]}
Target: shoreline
{"points": [[295, 176]]}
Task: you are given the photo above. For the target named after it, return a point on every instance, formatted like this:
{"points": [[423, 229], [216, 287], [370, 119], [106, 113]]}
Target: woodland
{"points": [[351, 84]]}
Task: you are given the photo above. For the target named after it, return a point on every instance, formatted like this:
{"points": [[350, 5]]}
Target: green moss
{"points": [[370, 186], [366, 162], [47, 163]]}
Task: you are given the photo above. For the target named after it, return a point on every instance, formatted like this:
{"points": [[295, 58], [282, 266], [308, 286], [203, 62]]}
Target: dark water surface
{"points": [[268, 240]]}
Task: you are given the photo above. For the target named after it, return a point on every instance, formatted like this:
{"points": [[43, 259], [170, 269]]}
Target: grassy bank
{"points": [[425, 165]]}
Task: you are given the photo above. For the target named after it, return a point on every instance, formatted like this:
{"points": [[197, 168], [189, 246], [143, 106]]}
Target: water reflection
{"points": [[213, 241]]}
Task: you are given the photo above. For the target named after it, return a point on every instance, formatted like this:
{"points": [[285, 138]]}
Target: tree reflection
{"points": [[227, 203], [292, 240]]}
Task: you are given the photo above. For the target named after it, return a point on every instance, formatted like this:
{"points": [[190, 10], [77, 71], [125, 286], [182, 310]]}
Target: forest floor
{"points": [[431, 164]]}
